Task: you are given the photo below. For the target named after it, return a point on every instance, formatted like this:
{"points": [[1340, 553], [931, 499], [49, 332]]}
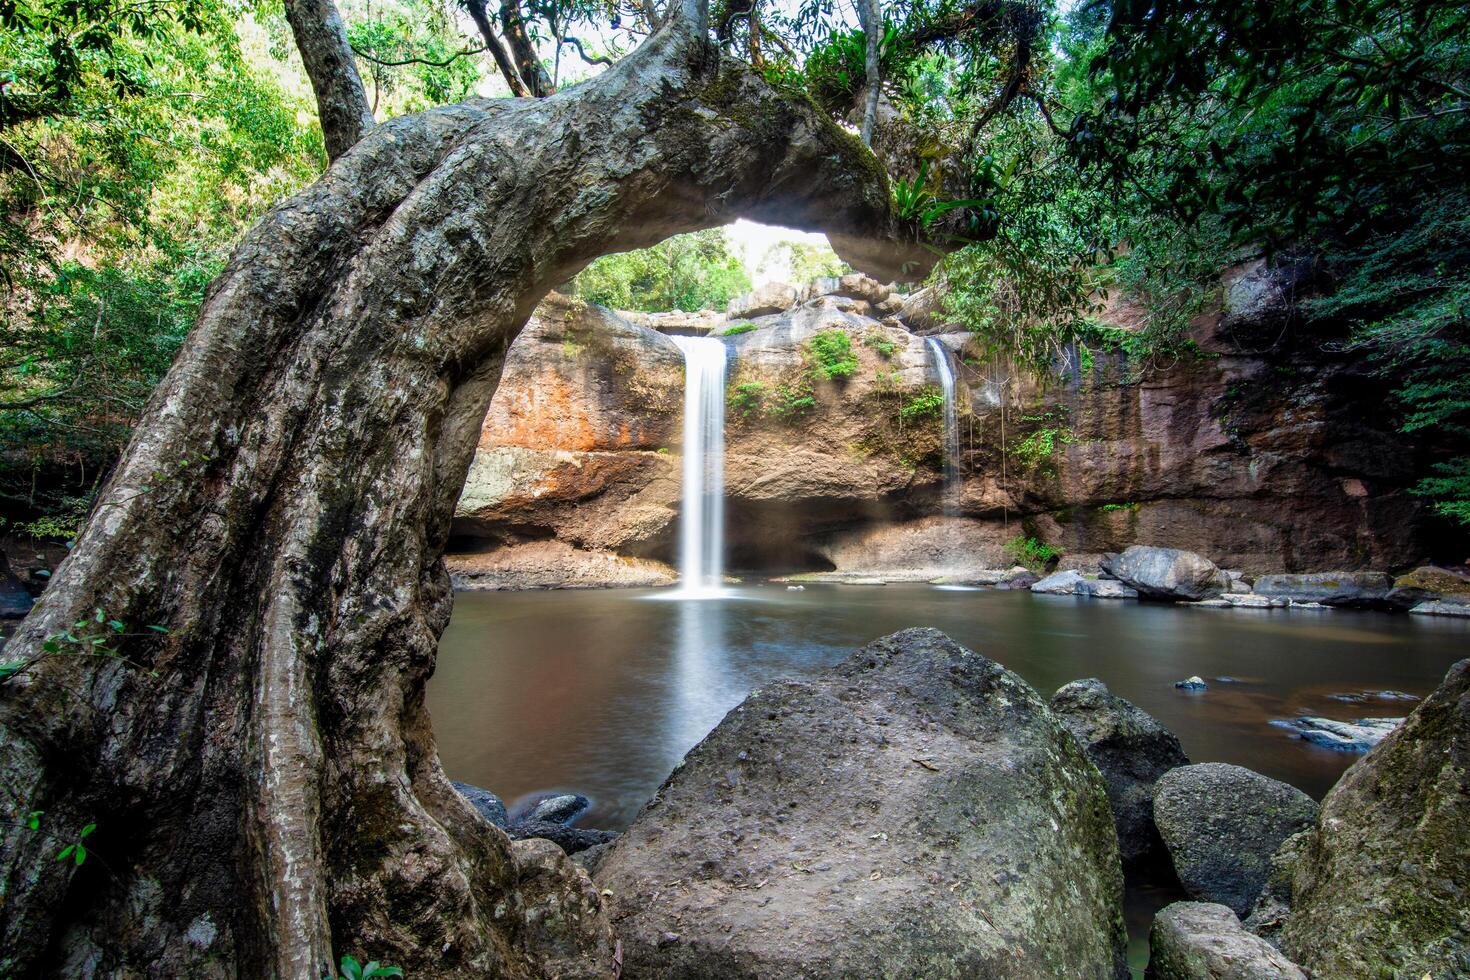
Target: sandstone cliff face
{"points": [[1267, 458]]}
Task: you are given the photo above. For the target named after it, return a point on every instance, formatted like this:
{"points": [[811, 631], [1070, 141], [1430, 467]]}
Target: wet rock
{"points": [[490, 806], [552, 807], [1131, 750], [973, 838], [1359, 589], [1202, 941], [1168, 573], [1441, 608], [1070, 582], [1222, 824], [569, 839], [1195, 683], [1429, 584], [1364, 697], [1343, 736], [1273, 906], [1381, 886], [1106, 588], [1240, 600]]}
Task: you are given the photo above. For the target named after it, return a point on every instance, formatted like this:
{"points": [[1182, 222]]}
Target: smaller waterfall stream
{"points": [[702, 516], [951, 427]]}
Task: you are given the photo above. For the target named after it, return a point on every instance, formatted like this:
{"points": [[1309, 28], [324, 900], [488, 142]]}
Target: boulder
{"points": [[1429, 584], [1222, 824], [1062, 583], [1328, 588], [1192, 683], [570, 839], [1107, 588], [916, 812], [1202, 941], [1382, 887], [1167, 573], [771, 297], [489, 805], [1131, 750]]}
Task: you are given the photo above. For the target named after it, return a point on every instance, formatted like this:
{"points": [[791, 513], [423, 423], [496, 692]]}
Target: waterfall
{"points": [[951, 427], [702, 517]]}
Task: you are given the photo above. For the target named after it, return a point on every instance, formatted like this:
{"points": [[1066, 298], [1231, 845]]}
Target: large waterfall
{"points": [[951, 427], [702, 520]]}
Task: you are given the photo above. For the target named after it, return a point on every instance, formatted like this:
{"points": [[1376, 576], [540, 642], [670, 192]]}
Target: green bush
{"points": [[1040, 445], [880, 343], [737, 328], [927, 404], [790, 403], [1032, 552], [830, 355]]}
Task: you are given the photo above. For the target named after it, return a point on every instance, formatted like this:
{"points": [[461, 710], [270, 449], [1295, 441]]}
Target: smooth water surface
{"points": [[604, 691]]}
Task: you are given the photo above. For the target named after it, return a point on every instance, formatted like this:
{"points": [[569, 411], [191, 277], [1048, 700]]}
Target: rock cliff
{"points": [[1260, 449]]}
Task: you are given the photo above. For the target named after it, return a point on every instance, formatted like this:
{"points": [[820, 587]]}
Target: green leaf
{"points": [[88, 829]]}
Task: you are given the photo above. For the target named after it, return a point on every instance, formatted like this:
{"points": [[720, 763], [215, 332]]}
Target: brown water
{"points": [[603, 692]]}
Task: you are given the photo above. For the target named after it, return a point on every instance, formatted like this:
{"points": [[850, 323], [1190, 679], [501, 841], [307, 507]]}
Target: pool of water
{"points": [[602, 692]]}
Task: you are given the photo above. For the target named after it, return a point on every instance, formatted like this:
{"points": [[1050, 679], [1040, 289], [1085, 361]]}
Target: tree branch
{"points": [[476, 10], [513, 25], [870, 15], [591, 59], [420, 61], [341, 101]]}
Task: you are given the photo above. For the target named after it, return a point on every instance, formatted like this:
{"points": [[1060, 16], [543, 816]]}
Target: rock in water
{"points": [[489, 805], [1341, 736], [1429, 584], [562, 808], [1200, 941], [1222, 824], [918, 812], [1327, 588], [1131, 750], [1382, 886], [1194, 683], [1061, 583], [1168, 573]]}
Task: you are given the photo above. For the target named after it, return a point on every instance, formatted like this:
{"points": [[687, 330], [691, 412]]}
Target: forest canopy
{"points": [[1065, 153]]}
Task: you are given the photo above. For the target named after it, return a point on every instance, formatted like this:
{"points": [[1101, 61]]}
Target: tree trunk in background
{"points": [[532, 73], [342, 104], [870, 14], [272, 798], [477, 13]]}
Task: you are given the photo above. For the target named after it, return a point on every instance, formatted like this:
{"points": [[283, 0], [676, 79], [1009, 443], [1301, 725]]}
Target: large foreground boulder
{"points": [[1382, 884], [1168, 573], [1358, 589], [1201, 941], [1222, 824], [917, 812], [1131, 750]]}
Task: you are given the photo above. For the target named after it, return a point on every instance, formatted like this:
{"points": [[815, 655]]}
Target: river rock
{"points": [[1429, 584], [1070, 582], [1131, 750], [1343, 736], [563, 808], [1193, 683], [1441, 608], [490, 806], [569, 839], [1168, 573], [1107, 588], [1222, 824], [1382, 887], [1327, 588], [916, 812], [1202, 941]]}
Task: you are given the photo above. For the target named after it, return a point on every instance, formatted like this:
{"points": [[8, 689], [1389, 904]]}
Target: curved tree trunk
{"points": [[263, 777]]}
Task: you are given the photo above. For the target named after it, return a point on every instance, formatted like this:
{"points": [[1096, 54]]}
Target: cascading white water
{"points": [[951, 427], [702, 518]]}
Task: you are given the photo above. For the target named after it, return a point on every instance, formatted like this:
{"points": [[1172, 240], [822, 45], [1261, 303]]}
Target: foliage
{"points": [[1449, 488], [927, 404], [1036, 450], [737, 329], [352, 970], [746, 398], [830, 355], [788, 403], [95, 636], [799, 262], [1032, 552], [698, 271], [877, 341], [407, 56]]}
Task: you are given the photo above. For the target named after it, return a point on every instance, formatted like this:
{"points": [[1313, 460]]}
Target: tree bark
{"points": [[870, 14], [477, 13], [272, 798], [342, 104], [524, 52]]}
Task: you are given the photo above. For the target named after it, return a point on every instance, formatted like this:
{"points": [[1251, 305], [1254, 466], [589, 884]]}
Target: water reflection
{"points": [[604, 692]]}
